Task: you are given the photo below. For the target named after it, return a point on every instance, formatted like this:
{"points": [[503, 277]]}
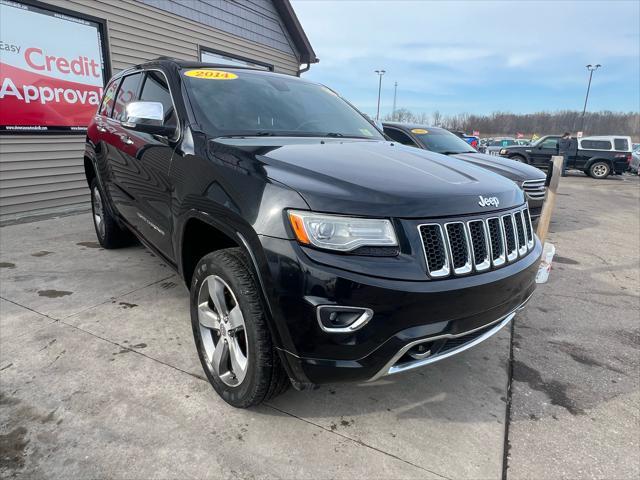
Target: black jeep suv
{"points": [[315, 250]]}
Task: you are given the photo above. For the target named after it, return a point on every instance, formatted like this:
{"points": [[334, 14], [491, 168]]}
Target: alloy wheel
{"points": [[222, 331], [600, 170], [98, 211]]}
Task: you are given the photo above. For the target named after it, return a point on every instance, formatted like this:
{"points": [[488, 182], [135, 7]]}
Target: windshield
{"points": [[443, 141], [245, 103]]}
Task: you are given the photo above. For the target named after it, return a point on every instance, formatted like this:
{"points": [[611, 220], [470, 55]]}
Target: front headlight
{"points": [[344, 234], [503, 151]]}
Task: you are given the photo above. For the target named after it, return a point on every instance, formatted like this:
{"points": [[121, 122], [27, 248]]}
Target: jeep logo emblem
{"points": [[488, 201]]}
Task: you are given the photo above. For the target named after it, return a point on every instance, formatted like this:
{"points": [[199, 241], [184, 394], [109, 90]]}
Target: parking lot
{"points": [[99, 375]]}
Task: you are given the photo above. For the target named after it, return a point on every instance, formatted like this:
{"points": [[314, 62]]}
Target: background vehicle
{"points": [[312, 246], [597, 156], [470, 139], [495, 145], [439, 140], [634, 165]]}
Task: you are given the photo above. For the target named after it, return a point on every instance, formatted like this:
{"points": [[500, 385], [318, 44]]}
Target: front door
{"points": [[542, 152]]}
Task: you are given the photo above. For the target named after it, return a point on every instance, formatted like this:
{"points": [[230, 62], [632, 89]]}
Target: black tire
{"points": [[599, 169], [110, 234], [518, 158], [264, 377]]}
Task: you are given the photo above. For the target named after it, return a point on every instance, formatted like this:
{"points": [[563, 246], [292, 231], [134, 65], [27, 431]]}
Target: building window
{"points": [[211, 56], [54, 68]]}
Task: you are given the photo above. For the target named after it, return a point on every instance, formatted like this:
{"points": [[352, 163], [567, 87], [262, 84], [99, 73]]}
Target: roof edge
{"points": [[293, 26]]}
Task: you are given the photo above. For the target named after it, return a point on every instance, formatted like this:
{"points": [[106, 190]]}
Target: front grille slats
{"points": [[479, 244], [496, 238], [458, 247], [435, 251], [535, 189], [476, 245], [521, 237], [528, 227], [510, 237]]}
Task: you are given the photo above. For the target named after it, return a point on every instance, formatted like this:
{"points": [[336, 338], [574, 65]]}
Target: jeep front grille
{"points": [[461, 247], [535, 189]]}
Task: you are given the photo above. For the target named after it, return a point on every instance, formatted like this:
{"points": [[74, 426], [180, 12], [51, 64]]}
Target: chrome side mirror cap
{"points": [[145, 117]]}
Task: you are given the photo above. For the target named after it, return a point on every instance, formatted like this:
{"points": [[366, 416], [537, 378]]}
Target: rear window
{"points": [[621, 144], [596, 145]]}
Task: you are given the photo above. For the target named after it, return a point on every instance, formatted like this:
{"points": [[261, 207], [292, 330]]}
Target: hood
{"points": [[377, 178], [513, 170]]}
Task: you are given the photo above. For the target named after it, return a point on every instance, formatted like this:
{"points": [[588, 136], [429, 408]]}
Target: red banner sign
{"points": [[51, 70]]}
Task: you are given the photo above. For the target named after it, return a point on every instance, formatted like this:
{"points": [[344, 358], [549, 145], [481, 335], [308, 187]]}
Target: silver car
{"points": [[495, 145]]}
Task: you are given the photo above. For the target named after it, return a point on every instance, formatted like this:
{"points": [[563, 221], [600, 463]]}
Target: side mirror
{"points": [[147, 117]]}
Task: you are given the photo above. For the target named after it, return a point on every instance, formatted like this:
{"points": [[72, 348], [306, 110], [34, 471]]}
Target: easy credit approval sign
{"points": [[51, 69]]}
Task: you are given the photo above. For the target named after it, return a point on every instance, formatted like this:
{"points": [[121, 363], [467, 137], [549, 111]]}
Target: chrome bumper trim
{"points": [[390, 368]]}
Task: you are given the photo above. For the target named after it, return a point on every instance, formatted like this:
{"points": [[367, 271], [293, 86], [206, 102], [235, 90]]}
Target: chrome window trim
{"points": [[467, 267], [486, 264], [445, 270], [502, 259], [133, 71], [511, 256]]}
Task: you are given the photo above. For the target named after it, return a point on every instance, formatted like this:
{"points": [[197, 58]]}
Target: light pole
{"points": [[380, 74], [395, 94], [591, 68]]}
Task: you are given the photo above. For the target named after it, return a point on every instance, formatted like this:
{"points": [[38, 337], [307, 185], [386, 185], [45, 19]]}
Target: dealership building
{"points": [[56, 56]]}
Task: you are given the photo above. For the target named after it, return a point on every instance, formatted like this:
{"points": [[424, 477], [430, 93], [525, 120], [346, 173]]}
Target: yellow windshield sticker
{"points": [[419, 131], [366, 131], [211, 74]]}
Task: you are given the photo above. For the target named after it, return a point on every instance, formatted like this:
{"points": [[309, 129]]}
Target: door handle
{"points": [[101, 129], [126, 139]]}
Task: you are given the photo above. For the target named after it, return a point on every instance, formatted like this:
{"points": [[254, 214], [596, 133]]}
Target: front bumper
{"points": [[406, 312]]}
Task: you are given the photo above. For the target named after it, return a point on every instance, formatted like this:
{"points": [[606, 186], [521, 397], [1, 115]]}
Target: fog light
{"points": [[342, 319]]}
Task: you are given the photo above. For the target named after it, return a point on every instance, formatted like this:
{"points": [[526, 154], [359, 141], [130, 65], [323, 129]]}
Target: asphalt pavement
{"points": [[99, 376]]}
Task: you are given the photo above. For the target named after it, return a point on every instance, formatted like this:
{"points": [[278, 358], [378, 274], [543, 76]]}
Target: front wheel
{"points": [[231, 333], [599, 170], [518, 158]]}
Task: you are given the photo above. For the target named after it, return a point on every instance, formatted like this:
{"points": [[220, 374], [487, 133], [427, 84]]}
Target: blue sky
{"points": [[477, 56]]}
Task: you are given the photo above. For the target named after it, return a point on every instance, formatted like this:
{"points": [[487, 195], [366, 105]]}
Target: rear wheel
{"points": [[599, 169], [230, 330], [110, 234]]}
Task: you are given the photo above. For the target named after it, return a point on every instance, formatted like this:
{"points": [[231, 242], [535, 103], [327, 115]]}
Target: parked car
{"points": [[470, 139], [497, 144], [314, 249], [439, 140], [634, 165], [597, 156]]}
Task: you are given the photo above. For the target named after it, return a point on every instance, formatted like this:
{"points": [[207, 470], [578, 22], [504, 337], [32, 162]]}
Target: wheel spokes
{"points": [[216, 292], [235, 318], [238, 360], [220, 357], [207, 317]]}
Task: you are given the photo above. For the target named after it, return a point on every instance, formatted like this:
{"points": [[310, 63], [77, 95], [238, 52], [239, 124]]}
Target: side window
{"points": [[127, 92], [621, 144], [596, 145], [155, 89], [107, 99], [550, 143], [399, 136]]}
